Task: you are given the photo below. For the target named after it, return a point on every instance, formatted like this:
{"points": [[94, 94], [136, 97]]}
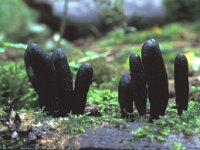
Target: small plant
{"points": [[77, 124], [51, 78], [187, 123], [105, 101], [177, 146]]}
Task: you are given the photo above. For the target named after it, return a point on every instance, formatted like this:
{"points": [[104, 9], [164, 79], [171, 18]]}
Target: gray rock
{"points": [[81, 12], [143, 9], [88, 12], [115, 138], [107, 138]]}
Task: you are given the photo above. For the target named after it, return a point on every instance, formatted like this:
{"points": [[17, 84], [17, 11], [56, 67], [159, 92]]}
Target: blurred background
{"points": [[103, 32]]}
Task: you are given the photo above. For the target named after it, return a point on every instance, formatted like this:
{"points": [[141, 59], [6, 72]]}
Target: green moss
{"points": [[1, 111], [170, 32], [181, 10], [15, 86], [78, 124], [194, 93], [113, 38], [187, 124], [111, 12], [15, 15], [177, 146], [103, 72], [106, 100]]}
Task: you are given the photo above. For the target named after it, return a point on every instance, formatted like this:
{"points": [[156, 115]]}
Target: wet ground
{"points": [[53, 136], [101, 137], [115, 138]]}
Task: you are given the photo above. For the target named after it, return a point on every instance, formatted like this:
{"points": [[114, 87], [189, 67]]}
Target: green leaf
{"points": [[95, 54], [17, 45]]}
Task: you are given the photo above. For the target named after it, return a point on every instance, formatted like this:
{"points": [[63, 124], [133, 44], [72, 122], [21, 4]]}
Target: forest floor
{"points": [[101, 127]]}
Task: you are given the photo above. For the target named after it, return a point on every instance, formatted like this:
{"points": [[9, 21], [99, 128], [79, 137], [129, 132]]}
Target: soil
{"points": [[12, 54]]}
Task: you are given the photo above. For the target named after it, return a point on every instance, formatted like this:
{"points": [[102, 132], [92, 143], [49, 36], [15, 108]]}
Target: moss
{"points": [[106, 100], [15, 84], [181, 10], [177, 146], [78, 124], [103, 72], [170, 32], [187, 124], [19, 16], [108, 11], [194, 93]]}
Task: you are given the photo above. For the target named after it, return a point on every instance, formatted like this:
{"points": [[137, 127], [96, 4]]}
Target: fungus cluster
{"points": [[148, 78], [51, 78]]}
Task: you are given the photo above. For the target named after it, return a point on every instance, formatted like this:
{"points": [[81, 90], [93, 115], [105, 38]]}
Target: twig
{"points": [[63, 23]]}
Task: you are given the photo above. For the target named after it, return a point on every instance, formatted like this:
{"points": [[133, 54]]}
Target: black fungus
{"points": [[82, 84], [138, 81], [51, 78], [64, 82], [124, 96], [156, 78], [181, 82], [28, 66], [41, 73]]}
